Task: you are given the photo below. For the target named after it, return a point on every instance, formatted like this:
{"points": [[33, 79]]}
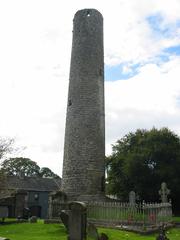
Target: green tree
{"points": [[20, 166], [46, 172], [25, 167], [141, 161]]}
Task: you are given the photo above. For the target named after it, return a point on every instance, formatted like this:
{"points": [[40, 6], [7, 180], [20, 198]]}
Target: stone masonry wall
{"points": [[84, 148]]}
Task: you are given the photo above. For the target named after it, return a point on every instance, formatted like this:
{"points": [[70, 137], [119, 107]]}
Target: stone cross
{"points": [[77, 221], [132, 197], [164, 192]]}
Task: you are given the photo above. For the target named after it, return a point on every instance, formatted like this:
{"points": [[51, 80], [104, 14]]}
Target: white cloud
{"points": [[128, 35], [149, 99]]}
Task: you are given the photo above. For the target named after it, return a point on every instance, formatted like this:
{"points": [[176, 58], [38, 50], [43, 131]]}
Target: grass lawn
{"points": [[33, 231], [176, 219], [41, 231], [173, 234]]}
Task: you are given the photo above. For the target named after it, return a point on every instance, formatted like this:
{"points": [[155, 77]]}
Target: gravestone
{"points": [[132, 198], [33, 219], [92, 231], [164, 192], [77, 221], [64, 215]]}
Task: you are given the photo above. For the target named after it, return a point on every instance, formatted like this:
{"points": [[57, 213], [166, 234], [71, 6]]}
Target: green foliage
{"points": [[25, 167], [20, 166], [176, 219], [46, 172], [141, 161]]}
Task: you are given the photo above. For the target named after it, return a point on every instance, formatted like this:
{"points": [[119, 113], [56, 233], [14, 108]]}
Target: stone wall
{"points": [[84, 149]]}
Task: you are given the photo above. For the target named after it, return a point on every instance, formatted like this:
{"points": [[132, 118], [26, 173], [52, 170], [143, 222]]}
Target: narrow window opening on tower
{"points": [[100, 71], [69, 102], [88, 14]]}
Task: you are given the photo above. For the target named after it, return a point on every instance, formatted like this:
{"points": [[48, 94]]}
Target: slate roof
{"points": [[32, 183]]}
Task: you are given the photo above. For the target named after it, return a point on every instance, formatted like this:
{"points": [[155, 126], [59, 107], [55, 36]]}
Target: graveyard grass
{"points": [[41, 231], [33, 231]]}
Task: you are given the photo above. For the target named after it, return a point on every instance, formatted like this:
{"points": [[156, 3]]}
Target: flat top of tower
{"points": [[87, 12]]}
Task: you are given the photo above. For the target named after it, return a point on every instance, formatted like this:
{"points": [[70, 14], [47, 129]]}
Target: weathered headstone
{"points": [[132, 197], [164, 192], [92, 231], [77, 221], [64, 215], [33, 219]]}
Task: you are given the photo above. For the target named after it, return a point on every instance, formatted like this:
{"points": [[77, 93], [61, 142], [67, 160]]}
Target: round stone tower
{"points": [[84, 148]]}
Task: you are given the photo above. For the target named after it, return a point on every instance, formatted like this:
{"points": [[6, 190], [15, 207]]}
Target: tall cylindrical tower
{"points": [[84, 148]]}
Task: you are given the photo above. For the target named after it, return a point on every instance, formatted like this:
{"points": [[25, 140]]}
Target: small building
{"points": [[20, 193]]}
